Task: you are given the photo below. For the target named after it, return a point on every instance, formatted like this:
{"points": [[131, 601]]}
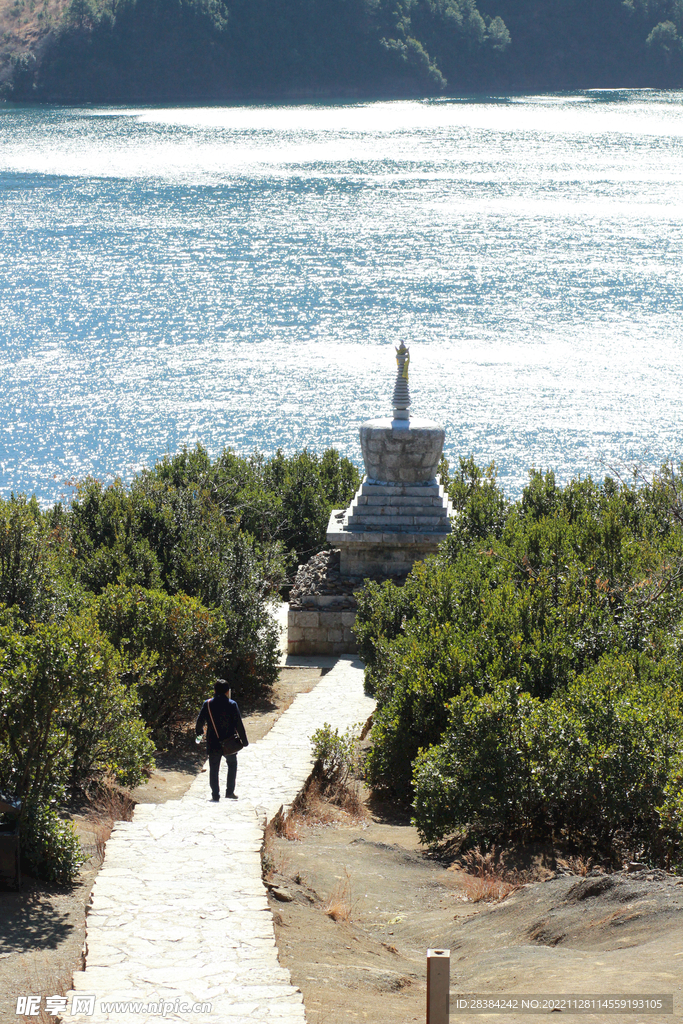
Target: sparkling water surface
{"points": [[239, 276]]}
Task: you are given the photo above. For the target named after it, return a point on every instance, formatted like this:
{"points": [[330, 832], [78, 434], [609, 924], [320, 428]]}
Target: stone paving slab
{"points": [[179, 919]]}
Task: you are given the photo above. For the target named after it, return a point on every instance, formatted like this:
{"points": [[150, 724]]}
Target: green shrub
{"points": [[49, 845], [69, 716], [35, 562], [305, 488], [568, 575], [108, 540], [339, 755], [284, 501], [382, 613], [589, 766], [170, 646], [107, 737], [478, 780], [221, 532], [527, 676], [479, 504], [251, 640], [671, 814]]}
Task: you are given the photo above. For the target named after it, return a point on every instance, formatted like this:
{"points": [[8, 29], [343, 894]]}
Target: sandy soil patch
{"points": [[357, 904]]}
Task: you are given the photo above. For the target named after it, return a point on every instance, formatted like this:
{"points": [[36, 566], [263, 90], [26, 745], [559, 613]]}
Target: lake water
{"points": [[239, 276]]}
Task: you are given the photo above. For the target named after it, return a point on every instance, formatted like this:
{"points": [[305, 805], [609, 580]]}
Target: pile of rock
{"points": [[320, 577], [322, 607]]}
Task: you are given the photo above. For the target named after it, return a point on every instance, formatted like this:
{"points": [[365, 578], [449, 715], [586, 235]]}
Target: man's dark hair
{"points": [[220, 686]]}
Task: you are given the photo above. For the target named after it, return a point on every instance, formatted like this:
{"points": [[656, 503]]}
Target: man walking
{"points": [[222, 719]]}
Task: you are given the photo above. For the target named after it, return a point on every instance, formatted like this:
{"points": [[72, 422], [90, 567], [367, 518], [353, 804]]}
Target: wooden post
{"points": [[438, 985]]}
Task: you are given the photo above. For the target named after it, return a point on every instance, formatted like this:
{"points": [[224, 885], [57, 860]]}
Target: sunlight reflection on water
{"points": [[238, 275]]}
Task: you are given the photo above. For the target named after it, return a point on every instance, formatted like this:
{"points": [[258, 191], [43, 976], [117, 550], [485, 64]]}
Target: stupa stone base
{"points": [[321, 630], [389, 527]]}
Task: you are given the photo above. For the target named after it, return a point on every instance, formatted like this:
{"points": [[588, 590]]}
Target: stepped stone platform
{"points": [[384, 531], [179, 916], [388, 527]]}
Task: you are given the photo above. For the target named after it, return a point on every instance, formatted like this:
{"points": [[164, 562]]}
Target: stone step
{"points": [[393, 521], [402, 537], [398, 510], [379, 522], [375, 531], [399, 500], [410, 490]]}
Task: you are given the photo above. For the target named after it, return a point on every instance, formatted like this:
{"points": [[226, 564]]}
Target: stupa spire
{"points": [[401, 398]]}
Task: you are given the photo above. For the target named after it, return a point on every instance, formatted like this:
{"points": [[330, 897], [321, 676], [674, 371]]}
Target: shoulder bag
{"points": [[229, 746]]}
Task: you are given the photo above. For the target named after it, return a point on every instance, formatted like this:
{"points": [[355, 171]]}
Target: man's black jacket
{"points": [[228, 721]]}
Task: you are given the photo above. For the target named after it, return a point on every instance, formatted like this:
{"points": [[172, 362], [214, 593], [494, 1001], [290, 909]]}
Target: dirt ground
{"points": [[358, 903], [42, 927]]}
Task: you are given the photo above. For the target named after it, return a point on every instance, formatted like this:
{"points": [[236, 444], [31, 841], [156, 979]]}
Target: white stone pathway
{"points": [[179, 911]]}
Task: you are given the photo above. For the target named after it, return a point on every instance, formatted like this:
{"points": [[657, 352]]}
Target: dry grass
{"points": [[268, 853], [351, 802], [485, 877], [273, 862], [108, 804], [44, 981], [340, 905], [577, 865], [101, 833], [111, 802], [486, 889], [317, 805]]}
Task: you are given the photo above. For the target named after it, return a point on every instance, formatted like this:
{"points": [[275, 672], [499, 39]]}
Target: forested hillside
{"points": [[167, 50]]}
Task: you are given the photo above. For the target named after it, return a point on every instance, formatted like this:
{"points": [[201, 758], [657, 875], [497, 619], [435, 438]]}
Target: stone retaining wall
{"points": [[321, 630]]}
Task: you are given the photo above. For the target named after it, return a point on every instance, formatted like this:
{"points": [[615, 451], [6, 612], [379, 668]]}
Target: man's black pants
{"points": [[214, 764]]}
